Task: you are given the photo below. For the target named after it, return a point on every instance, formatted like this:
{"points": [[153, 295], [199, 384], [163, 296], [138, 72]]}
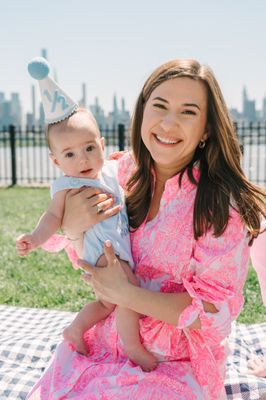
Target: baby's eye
{"points": [[90, 148], [189, 112], [69, 154], [159, 105]]}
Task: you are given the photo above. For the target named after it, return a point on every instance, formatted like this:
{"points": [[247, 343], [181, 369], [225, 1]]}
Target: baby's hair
{"points": [[49, 127]]}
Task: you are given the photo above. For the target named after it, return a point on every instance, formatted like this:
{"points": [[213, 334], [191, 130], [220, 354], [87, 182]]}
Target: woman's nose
{"points": [[169, 122]]}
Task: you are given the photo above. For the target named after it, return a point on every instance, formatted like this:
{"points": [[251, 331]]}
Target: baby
{"points": [[77, 149]]}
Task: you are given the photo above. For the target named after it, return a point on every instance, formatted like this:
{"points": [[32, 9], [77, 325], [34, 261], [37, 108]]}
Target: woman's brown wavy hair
{"points": [[222, 182]]}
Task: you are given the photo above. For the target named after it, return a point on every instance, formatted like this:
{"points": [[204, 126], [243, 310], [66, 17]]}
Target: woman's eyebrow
{"points": [[191, 105], [184, 104], [161, 99]]}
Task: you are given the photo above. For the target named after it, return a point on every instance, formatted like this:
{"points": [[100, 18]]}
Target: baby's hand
{"points": [[25, 244], [257, 367]]}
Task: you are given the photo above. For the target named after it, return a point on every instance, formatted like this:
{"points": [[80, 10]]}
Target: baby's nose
{"points": [[83, 159]]}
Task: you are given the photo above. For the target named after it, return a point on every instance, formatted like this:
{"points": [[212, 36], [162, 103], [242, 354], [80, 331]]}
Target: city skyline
{"points": [[239, 108], [12, 112], [114, 46]]}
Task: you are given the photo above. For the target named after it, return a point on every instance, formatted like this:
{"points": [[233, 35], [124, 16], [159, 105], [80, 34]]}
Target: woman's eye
{"points": [[189, 112], [69, 154], [90, 148], [158, 105]]}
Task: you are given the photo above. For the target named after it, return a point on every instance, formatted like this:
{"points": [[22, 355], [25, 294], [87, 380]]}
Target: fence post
{"points": [[121, 137], [12, 139]]}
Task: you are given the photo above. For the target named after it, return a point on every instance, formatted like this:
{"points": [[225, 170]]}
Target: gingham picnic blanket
{"points": [[28, 337]]}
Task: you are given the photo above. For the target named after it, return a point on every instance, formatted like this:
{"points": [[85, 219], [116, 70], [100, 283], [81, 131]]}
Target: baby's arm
{"points": [[48, 224]]}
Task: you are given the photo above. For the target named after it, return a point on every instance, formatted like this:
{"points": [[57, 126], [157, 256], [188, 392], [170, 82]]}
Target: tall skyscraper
{"points": [[264, 109], [244, 99], [2, 97], [44, 53], [249, 108], [16, 109], [123, 105], [41, 116], [33, 104], [115, 108], [83, 101], [98, 113]]}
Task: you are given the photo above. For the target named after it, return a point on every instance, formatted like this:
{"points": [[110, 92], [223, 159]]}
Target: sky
{"points": [[113, 46]]}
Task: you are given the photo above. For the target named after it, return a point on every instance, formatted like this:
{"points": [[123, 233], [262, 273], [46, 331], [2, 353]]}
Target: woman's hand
{"points": [[110, 283], [82, 210]]}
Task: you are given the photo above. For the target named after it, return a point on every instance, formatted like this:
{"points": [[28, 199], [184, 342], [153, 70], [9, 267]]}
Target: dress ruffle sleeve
{"points": [[218, 271]]}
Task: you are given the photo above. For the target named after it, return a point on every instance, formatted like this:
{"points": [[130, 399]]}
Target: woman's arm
{"points": [[165, 307], [111, 284], [213, 293], [80, 212]]}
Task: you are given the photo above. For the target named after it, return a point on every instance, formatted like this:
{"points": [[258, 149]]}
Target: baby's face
{"points": [[77, 148]]}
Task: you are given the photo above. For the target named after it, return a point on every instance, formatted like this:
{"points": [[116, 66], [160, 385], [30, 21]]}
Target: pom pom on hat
{"points": [[38, 68], [57, 104]]}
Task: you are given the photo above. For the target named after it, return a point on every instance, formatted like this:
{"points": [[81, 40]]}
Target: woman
{"points": [[192, 214]]}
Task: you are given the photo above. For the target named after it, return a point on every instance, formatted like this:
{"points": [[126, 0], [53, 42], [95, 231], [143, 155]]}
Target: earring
{"points": [[202, 144]]}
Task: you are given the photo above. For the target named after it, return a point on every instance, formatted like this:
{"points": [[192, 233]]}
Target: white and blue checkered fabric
{"points": [[245, 342], [28, 337]]}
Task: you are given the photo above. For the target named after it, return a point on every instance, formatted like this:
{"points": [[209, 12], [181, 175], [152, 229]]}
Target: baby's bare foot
{"points": [[142, 357], [75, 338]]}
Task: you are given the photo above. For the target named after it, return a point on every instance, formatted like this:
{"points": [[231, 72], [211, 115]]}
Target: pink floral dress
{"points": [[167, 259]]}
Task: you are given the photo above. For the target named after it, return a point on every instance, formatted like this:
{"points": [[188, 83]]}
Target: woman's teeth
{"points": [[166, 141]]}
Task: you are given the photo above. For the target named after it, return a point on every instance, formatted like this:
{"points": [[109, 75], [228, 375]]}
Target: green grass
{"points": [[40, 279], [48, 280]]}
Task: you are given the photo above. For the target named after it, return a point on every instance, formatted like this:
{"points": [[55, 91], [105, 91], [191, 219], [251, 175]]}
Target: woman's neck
{"points": [[163, 174]]}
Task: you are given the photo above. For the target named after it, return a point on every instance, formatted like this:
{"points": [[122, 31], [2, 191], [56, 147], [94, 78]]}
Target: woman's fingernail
{"points": [[108, 243]]}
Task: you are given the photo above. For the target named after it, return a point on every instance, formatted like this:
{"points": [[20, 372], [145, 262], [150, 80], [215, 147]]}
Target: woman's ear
{"points": [[206, 133]]}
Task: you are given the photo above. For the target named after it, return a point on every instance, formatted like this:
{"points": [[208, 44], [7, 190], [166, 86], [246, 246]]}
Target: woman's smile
{"points": [[168, 141]]}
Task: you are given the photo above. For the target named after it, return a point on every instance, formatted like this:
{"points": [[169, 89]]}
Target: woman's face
{"points": [[174, 122]]}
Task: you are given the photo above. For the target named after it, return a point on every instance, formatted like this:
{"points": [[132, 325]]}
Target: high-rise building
{"points": [[115, 109], [30, 122], [264, 109], [6, 114], [41, 116], [123, 105], [249, 108], [15, 108], [2, 97], [2, 100], [98, 114], [44, 53], [33, 104], [83, 101]]}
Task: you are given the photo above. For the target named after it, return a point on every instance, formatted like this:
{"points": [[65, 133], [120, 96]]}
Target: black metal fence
{"points": [[24, 156]]}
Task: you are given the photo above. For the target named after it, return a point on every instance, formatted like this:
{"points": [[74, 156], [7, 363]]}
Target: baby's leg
{"points": [[128, 329], [128, 326], [89, 315]]}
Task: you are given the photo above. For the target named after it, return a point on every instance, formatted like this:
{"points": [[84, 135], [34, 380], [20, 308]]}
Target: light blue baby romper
{"points": [[115, 228]]}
